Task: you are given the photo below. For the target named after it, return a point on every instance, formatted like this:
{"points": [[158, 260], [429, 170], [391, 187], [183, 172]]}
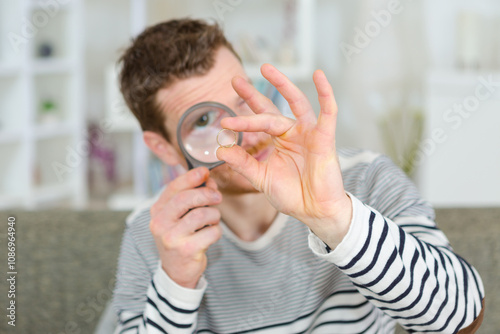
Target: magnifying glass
{"points": [[199, 134]]}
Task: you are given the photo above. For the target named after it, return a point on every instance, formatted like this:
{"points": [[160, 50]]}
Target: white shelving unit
{"points": [[461, 152], [241, 20], [41, 104], [266, 27]]}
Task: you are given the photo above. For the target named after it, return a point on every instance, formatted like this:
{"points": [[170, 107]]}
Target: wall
{"points": [[387, 72]]}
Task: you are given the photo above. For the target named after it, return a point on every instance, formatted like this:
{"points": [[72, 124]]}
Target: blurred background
{"points": [[416, 80]]}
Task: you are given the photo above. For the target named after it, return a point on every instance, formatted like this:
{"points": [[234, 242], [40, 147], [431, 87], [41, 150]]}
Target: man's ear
{"points": [[164, 150]]}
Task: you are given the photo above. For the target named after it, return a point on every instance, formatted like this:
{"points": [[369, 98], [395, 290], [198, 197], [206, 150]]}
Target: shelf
{"points": [[57, 36], [52, 66], [54, 99], [56, 129]]}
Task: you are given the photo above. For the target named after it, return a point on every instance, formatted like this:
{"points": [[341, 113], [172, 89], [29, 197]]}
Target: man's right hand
{"points": [[180, 234]]}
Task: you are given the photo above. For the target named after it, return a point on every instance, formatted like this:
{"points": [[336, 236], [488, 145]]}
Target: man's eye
{"points": [[202, 121]]}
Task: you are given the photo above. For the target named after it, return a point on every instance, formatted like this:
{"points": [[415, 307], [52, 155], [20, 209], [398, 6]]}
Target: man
{"points": [[285, 237]]}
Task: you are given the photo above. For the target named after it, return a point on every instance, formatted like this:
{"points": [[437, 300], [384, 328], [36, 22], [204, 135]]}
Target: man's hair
{"points": [[162, 54]]}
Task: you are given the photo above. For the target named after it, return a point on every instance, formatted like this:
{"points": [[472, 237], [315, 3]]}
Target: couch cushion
{"points": [[66, 264]]}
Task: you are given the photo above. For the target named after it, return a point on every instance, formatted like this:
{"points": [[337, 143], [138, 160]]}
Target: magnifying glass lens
{"points": [[199, 132]]}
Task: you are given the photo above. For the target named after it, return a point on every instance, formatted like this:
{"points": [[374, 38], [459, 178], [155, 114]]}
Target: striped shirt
{"points": [[394, 265]]}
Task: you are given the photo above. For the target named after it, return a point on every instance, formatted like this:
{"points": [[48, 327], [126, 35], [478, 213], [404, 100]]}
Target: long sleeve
{"points": [[148, 301], [400, 261]]}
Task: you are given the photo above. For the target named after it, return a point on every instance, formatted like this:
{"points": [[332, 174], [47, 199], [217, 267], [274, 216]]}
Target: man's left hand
{"points": [[302, 176]]}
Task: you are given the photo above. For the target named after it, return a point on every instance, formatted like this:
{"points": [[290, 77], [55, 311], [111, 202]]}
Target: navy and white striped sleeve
{"points": [[400, 261], [149, 301]]}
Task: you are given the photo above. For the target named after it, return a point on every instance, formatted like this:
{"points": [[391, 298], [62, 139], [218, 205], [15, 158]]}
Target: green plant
{"points": [[402, 133]]}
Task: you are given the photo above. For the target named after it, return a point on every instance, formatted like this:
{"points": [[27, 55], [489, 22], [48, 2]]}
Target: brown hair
{"points": [[163, 53]]}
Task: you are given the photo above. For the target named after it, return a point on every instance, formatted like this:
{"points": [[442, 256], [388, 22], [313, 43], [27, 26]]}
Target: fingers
{"points": [[272, 124], [327, 120], [255, 100], [242, 162], [189, 199], [199, 228], [207, 236], [210, 183], [297, 100], [196, 219], [185, 203], [192, 179]]}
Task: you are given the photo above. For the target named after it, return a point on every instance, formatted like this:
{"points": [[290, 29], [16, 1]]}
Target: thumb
{"points": [[241, 162]]}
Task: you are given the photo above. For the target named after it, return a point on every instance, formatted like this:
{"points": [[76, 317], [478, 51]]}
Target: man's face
{"points": [[214, 86]]}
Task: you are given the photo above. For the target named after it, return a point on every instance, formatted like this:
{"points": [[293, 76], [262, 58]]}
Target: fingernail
{"points": [[216, 196], [199, 173]]}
